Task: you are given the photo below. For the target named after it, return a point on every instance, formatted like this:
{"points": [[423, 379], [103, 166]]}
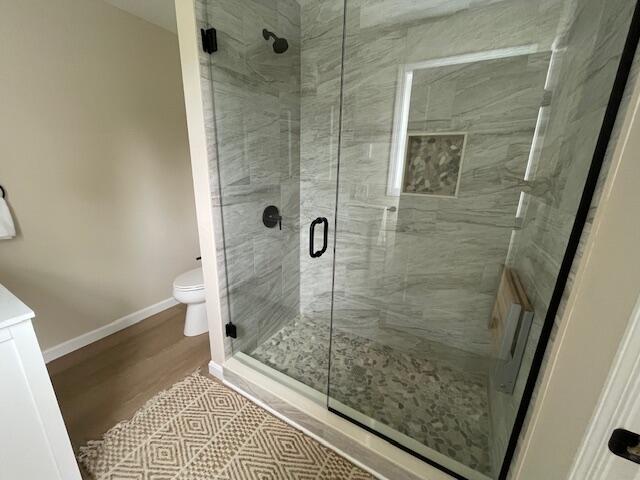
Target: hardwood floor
{"points": [[107, 381]]}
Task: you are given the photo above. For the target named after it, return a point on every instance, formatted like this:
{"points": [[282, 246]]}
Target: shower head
{"points": [[280, 45]]}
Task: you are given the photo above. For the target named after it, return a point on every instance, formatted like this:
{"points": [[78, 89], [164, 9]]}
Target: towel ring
{"points": [[4, 194]]}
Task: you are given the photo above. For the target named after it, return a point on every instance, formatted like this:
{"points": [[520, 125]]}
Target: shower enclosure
{"points": [[397, 182]]}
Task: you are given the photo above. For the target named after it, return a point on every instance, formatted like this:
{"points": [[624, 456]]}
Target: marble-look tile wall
{"points": [[321, 59], [588, 52], [256, 109], [445, 255], [430, 267], [377, 44]]}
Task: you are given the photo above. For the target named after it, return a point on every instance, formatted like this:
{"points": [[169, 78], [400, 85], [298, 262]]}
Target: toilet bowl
{"points": [[188, 288]]}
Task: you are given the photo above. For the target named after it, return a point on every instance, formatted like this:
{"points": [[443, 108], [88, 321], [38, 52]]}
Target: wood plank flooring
{"points": [[108, 381]]}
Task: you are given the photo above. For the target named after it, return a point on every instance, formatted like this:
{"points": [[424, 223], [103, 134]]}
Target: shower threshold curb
{"points": [[306, 410]]}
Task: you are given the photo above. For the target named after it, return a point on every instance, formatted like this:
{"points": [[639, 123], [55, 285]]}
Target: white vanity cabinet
{"points": [[34, 444]]}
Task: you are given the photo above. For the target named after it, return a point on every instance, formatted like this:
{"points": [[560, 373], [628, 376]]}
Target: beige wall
{"points": [[94, 157]]}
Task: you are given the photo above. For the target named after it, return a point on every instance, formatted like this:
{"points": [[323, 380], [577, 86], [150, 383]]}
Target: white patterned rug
{"points": [[202, 430]]}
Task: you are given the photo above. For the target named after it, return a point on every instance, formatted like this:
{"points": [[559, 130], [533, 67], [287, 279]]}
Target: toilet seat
{"points": [[189, 281]]}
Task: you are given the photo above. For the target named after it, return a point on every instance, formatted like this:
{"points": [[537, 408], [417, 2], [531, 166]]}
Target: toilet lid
{"points": [[191, 280]]}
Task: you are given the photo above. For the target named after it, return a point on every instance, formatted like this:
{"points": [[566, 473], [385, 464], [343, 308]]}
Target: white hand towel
{"points": [[7, 229]]}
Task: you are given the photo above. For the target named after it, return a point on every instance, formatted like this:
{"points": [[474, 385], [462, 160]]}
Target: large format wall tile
{"points": [[256, 117], [423, 263], [414, 272]]}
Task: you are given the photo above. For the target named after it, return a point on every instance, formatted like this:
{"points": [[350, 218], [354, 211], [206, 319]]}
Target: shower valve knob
{"points": [[271, 217]]}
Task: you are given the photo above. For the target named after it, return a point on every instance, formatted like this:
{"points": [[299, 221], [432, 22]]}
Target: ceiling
{"points": [[159, 12]]}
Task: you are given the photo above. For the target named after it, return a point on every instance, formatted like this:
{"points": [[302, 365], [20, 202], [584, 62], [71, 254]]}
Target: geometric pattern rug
{"points": [[201, 430]]}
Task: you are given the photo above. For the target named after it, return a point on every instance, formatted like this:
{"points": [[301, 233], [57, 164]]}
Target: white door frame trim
{"points": [[617, 405]]}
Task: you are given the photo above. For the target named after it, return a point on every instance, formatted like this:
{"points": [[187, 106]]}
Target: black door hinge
{"points": [[209, 40], [230, 330]]}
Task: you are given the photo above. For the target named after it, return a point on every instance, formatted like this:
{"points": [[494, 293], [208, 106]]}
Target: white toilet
{"points": [[188, 288]]}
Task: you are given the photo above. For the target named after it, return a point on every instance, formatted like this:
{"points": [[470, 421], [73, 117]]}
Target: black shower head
{"points": [[280, 45]]}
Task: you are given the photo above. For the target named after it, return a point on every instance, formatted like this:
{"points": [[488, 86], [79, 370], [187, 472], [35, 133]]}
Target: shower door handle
{"points": [[312, 231]]}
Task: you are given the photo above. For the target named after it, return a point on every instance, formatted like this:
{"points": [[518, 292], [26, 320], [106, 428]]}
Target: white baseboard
{"points": [[101, 332], [216, 370]]}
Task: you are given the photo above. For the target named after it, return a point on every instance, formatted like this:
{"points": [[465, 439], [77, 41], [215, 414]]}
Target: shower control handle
{"points": [[312, 231], [271, 217]]}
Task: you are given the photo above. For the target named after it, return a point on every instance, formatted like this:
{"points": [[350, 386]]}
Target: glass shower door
{"points": [[448, 143], [256, 111], [276, 110], [465, 145]]}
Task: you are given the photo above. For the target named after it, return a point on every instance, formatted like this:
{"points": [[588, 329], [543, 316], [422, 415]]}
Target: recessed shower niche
{"points": [[396, 185]]}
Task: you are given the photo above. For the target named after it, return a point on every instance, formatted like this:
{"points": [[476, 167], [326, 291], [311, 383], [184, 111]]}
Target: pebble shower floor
{"points": [[427, 397]]}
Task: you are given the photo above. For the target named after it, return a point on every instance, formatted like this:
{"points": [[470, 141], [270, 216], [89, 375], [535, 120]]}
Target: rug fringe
{"points": [[91, 449], [123, 452]]}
